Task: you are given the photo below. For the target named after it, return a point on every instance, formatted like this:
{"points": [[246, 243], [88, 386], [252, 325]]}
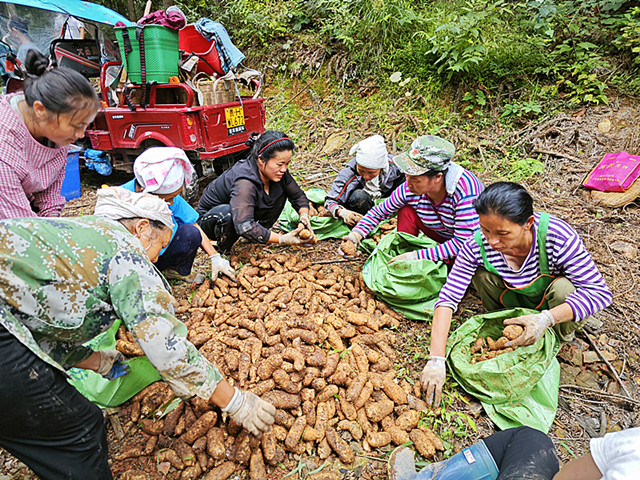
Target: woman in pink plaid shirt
{"points": [[36, 128]]}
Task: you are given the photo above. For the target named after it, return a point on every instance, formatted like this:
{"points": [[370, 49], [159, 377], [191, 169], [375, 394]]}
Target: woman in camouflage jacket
{"points": [[63, 281]]}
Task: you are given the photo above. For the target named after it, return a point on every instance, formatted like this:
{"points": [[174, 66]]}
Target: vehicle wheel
{"points": [[192, 191]]}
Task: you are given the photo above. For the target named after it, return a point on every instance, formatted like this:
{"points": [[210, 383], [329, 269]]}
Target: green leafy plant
{"points": [[630, 33], [476, 99], [520, 109], [459, 46], [450, 423], [524, 168]]}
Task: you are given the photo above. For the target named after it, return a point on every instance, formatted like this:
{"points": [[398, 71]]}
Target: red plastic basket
{"points": [[191, 41]]}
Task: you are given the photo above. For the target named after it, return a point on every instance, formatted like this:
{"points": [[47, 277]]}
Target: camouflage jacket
{"points": [[63, 281]]}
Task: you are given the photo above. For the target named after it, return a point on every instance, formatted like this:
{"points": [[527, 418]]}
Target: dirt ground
{"points": [[600, 380]]}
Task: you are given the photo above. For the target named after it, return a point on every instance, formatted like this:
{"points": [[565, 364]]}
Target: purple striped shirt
{"points": [[30, 173], [459, 218], [566, 257]]}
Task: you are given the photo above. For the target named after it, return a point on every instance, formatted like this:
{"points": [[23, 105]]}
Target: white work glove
{"points": [[534, 327], [432, 379], [353, 237], [405, 257], [306, 221], [112, 364], [221, 265], [250, 411], [292, 237], [349, 217]]}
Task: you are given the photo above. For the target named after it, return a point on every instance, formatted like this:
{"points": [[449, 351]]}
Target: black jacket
{"points": [[253, 210]]}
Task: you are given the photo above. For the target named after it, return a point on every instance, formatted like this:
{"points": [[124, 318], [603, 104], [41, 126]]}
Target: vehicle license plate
{"points": [[235, 120]]}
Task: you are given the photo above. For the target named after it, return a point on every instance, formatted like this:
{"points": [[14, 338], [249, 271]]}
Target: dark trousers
{"points": [[217, 224], [45, 422], [359, 201], [182, 250], [523, 453]]}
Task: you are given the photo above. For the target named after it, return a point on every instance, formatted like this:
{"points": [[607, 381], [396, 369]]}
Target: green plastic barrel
{"points": [[160, 48]]}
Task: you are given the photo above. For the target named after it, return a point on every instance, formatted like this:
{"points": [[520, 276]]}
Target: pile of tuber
{"points": [[310, 339], [488, 348]]}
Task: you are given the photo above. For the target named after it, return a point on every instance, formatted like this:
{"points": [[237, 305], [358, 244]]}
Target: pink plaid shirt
{"points": [[31, 174]]}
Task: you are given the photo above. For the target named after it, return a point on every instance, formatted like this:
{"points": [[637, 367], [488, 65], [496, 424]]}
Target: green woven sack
{"points": [[516, 388], [410, 288], [111, 393], [323, 227]]}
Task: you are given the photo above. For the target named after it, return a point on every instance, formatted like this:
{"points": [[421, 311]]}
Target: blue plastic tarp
{"points": [[77, 8]]}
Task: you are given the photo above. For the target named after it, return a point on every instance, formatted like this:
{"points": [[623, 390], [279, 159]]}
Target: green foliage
{"points": [[630, 37], [462, 44], [475, 99], [366, 27], [264, 21], [582, 35], [522, 109], [524, 168], [486, 46], [449, 421]]}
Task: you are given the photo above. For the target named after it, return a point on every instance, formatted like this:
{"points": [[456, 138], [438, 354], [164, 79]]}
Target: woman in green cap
{"points": [[436, 199]]}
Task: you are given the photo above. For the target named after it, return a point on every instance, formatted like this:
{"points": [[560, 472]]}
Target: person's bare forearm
{"points": [[90, 363], [562, 313], [582, 468], [440, 331], [206, 243], [222, 394]]}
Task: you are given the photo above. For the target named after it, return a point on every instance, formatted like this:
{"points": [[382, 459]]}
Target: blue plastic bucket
{"points": [[71, 183]]}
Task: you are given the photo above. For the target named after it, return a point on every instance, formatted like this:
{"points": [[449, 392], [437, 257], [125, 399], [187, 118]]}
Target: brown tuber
{"points": [[348, 248], [305, 234], [513, 331], [338, 445], [309, 339]]}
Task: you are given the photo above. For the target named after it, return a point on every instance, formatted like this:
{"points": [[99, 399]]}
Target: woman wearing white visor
{"points": [[369, 176]]}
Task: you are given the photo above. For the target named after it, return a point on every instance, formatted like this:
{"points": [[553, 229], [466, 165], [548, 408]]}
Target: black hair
{"points": [[268, 144], [432, 173], [61, 90], [506, 200], [155, 224]]}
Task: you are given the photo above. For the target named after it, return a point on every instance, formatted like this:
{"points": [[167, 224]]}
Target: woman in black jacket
{"points": [[246, 200]]}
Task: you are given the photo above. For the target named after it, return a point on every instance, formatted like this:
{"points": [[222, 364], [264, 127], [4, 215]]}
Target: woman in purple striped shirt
{"points": [[518, 259], [436, 200]]}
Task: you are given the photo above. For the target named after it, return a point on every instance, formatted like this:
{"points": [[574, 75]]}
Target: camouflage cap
{"points": [[427, 152]]}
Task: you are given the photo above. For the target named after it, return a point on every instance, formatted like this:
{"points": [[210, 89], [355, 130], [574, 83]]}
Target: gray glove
{"points": [[221, 265], [534, 327], [306, 221], [405, 257], [432, 379], [112, 364], [353, 237], [292, 238], [349, 217], [250, 411]]}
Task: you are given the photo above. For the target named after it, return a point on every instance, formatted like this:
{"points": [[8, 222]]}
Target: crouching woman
{"points": [[246, 200], [518, 259]]}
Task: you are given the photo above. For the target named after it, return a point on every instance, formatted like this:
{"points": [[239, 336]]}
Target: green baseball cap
{"points": [[427, 152]]}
